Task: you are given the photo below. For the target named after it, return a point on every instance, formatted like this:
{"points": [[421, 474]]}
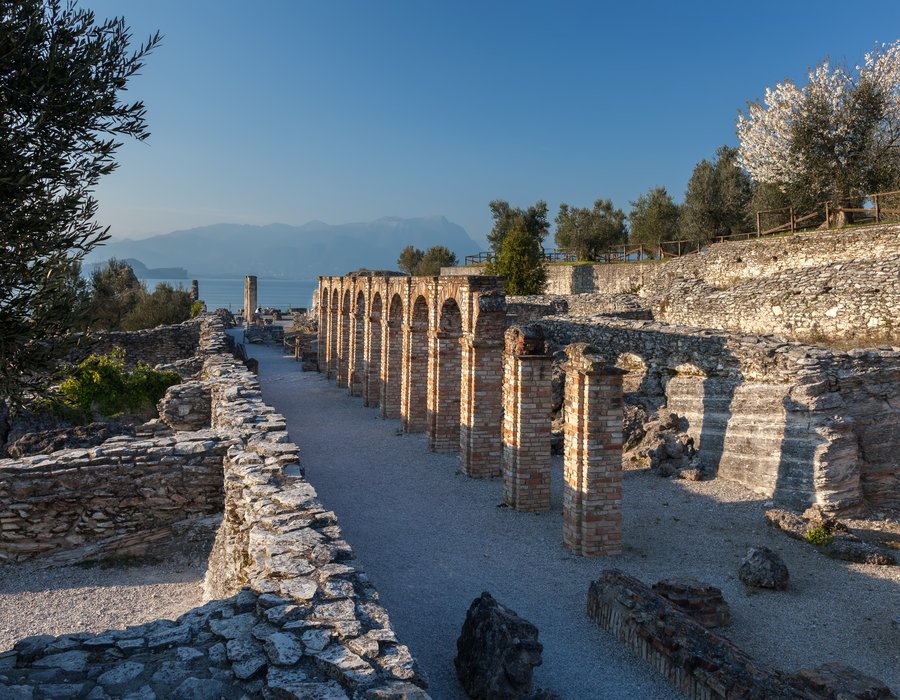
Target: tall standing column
{"points": [[195, 290], [592, 497], [527, 404], [414, 382], [249, 298], [323, 299], [444, 382], [481, 407]]}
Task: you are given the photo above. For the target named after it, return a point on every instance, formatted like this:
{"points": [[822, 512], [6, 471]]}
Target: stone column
{"points": [[249, 298], [592, 496], [481, 407], [195, 290], [527, 405]]}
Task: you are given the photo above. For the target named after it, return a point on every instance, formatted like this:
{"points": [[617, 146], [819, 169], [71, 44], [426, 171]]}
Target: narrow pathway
{"points": [[432, 540]]}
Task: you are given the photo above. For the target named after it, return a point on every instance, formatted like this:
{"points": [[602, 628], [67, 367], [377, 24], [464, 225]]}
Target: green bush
{"points": [[197, 308], [819, 536], [102, 385]]}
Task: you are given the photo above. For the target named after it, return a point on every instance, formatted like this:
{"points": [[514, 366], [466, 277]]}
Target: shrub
{"points": [[197, 308], [101, 384], [819, 536]]}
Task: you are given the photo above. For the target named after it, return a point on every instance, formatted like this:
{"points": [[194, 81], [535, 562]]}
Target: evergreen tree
{"points": [[590, 232], [654, 218], [520, 261], [533, 220], [717, 198]]}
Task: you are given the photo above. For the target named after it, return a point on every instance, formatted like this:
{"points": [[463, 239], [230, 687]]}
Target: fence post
{"points": [[877, 210], [758, 227], [827, 215]]}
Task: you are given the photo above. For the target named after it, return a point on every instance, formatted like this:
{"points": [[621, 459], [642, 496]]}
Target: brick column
{"points": [[372, 360], [414, 382], [442, 427], [356, 353], [391, 368], [481, 407], [527, 406], [332, 349], [342, 362], [592, 497], [322, 329], [249, 299]]}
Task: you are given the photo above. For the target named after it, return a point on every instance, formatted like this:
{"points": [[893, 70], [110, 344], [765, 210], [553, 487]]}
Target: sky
{"points": [[350, 110]]}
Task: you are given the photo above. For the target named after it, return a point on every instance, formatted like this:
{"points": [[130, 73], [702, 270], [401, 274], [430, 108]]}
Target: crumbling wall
{"points": [[154, 346], [795, 422], [55, 502]]}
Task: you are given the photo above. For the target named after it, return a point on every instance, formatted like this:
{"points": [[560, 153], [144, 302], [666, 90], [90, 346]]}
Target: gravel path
{"points": [[432, 540], [62, 600]]}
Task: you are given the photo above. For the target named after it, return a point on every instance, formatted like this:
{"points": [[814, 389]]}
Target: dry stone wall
{"points": [[69, 498], [294, 616], [161, 345]]}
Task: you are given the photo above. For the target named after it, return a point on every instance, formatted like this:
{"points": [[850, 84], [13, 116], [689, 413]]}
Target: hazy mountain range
{"points": [[291, 252]]}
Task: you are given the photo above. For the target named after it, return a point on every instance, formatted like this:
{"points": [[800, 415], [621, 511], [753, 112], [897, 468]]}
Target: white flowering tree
{"points": [[836, 138]]}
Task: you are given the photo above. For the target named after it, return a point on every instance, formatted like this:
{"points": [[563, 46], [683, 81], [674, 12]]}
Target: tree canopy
{"points": [[62, 74], [653, 218], [520, 261], [590, 232], [717, 198], [533, 220], [413, 261], [836, 138]]}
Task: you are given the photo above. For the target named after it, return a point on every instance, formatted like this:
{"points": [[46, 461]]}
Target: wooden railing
{"points": [[885, 207]]}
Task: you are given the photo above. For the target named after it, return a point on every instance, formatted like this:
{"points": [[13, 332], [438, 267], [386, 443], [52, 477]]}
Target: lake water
{"points": [[229, 293]]}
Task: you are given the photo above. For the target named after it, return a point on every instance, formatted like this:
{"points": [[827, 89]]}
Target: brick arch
{"points": [[392, 357], [356, 354], [372, 351], [444, 379], [323, 299], [334, 312], [343, 360], [413, 403]]}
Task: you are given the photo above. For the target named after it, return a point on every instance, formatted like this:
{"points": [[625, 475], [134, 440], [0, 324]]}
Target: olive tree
{"points": [[62, 75]]}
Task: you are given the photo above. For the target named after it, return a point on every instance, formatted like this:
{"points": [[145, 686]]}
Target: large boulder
{"points": [[496, 652], [763, 568]]}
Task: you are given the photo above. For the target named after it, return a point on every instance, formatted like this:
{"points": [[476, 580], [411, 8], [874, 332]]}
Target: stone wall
{"points": [[795, 422], [161, 345], [299, 618], [69, 498]]}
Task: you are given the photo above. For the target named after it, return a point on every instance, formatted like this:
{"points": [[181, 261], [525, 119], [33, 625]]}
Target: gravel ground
{"points": [[432, 540], [35, 599]]}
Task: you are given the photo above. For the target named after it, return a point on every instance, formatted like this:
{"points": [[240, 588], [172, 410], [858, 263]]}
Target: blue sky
{"points": [[288, 111]]}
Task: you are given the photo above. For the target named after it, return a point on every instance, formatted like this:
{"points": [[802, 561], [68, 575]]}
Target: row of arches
{"points": [[416, 348]]}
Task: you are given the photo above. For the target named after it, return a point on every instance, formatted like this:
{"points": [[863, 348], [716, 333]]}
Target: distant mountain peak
{"points": [[286, 251]]}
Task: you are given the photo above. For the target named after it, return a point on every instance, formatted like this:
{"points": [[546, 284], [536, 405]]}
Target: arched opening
{"points": [[356, 370], [372, 379], [343, 362], [331, 354], [392, 362], [444, 386], [413, 409]]}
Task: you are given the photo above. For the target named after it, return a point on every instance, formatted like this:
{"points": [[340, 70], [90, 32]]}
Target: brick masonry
{"points": [[592, 496]]}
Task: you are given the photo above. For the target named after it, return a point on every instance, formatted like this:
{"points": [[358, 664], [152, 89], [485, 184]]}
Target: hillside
{"points": [[290, 252]]}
